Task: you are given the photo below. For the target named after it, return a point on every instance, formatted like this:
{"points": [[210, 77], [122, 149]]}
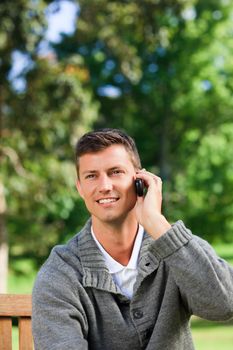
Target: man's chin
{"points": [[111, 219]]}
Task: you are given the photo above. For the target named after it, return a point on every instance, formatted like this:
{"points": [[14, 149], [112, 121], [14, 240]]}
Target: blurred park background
{"points": [[160, 69]]}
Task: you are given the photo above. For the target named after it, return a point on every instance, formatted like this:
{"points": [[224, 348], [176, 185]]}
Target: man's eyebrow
{"points": [[109, 169], [116, 167], [89, 172]]}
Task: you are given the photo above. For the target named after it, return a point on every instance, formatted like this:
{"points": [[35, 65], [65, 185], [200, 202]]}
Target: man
{"points": [[129, 279]]}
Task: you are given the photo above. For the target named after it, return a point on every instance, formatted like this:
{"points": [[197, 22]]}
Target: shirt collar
{"points": [[113, 265]]}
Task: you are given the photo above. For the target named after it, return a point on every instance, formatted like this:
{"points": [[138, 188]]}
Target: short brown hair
{"points": [[98, 140]]}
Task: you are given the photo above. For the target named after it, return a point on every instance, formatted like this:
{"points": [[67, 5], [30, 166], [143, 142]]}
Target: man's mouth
{"points": [[107, 200]]}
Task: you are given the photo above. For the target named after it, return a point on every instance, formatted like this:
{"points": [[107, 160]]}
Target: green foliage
{"points": [[170, 63], [39, 126], [203, 190]]}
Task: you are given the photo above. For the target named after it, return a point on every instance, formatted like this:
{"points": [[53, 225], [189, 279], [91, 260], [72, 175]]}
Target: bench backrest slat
{"points": [[5, 333], [25, 334]]}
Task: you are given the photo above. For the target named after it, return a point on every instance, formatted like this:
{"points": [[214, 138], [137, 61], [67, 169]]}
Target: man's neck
{"points": [[117, 239]]}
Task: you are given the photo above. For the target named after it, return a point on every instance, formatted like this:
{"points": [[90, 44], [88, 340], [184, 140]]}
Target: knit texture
{"points": [[77, 306]]}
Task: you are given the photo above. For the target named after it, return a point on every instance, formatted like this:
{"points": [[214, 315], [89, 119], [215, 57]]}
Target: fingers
{"points": [[149, 178], [151, 202]]}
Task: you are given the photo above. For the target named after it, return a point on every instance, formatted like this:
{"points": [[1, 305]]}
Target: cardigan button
{"points": [[137, 314]]}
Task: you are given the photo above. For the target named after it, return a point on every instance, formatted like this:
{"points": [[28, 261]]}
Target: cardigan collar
{"points": [[96, 273]]}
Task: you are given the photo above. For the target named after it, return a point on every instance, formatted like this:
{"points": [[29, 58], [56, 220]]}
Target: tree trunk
{"points": [[164, 164], [3, 243], [164, 151]]}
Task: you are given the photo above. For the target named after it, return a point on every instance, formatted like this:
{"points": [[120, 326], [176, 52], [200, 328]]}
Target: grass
{"points": [[212, 336], [207, 335], [15, 338]]}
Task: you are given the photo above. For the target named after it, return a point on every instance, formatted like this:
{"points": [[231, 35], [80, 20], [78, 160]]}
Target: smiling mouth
{"points": [[107, 200]]}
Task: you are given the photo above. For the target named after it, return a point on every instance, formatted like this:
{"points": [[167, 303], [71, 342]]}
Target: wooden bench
{"points": [[20, 307]]}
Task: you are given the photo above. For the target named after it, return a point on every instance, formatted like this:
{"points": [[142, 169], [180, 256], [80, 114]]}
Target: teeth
{"points": [[107, 200]]}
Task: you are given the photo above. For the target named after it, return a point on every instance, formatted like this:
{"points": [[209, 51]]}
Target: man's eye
{"points": [[90, 176], [116, 172]]}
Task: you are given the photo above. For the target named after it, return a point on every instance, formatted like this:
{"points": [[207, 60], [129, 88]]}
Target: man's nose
{"points": [[105, 184]]}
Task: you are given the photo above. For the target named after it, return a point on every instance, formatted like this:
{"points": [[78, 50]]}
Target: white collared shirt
{"points": [[123, 276]]}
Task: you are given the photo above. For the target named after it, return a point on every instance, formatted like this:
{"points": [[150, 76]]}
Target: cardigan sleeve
{"points": [[58, 318], [204, 279]]}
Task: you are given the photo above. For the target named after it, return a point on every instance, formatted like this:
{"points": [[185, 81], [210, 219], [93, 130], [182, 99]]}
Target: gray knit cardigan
{"points": [[77, 306]]}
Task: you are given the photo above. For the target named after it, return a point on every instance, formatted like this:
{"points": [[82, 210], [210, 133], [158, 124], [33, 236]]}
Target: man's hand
{"points": [[148, 208]]}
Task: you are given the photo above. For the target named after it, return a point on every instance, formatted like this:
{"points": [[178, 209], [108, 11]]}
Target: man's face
{"points": [[106, 184]]}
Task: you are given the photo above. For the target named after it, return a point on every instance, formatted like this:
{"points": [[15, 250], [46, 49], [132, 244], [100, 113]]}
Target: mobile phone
{"points": [[139, 187]]}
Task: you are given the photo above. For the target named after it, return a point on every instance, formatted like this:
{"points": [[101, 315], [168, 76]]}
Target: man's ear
{"points": [[79, 188]]}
